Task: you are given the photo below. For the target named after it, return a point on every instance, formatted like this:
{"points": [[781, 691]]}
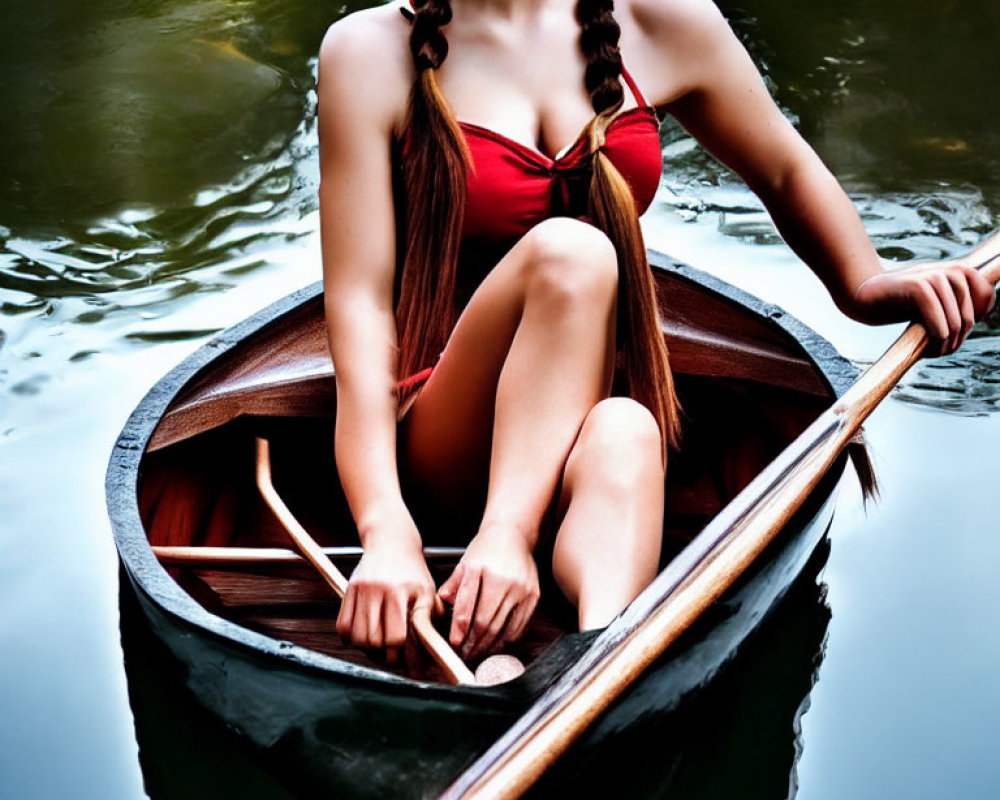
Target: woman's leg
{"points": [[531, 354], [607, 548]]}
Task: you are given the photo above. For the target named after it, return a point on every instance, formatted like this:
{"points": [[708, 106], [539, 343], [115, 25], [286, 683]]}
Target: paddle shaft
{"points": [[420, 617], [691, 582], [236, 557]]}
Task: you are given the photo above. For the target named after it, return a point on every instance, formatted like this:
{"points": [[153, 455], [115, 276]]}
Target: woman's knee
{"points": [[570, 261], [622, 437]]}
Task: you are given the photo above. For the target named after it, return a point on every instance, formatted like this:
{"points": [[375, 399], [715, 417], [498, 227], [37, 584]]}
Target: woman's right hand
{"points": [[494, 591], [389, 582]]}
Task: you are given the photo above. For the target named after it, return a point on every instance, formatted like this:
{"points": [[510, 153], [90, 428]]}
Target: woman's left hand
{"points": [[494, 590], [947, 297]]}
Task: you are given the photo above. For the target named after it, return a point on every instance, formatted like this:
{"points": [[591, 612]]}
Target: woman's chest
{"points": [[512, 187]]}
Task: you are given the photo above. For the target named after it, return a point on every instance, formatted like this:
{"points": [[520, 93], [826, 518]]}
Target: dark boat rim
{"points": [[152, 580]]}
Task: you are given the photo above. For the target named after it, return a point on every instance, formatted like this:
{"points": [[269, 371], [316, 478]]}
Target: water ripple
{"points": [[102, 276], [965, 383], [938, 222]]}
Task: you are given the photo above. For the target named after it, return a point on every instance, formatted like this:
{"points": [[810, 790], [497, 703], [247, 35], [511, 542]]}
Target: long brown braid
{"points": [[434, 169], [612, 209]]}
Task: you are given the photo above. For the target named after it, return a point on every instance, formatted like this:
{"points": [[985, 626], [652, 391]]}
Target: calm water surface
{"points": [[157, 183]]}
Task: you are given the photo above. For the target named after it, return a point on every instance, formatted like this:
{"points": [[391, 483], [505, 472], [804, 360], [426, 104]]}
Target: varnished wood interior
{"points": [[201, 491], [286, 370]]}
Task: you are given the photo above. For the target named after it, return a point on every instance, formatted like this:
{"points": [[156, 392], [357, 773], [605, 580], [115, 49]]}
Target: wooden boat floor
{"points": [[294, 604]]}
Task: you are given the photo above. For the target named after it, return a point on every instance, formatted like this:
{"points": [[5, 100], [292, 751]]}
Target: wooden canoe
{"points": [[255, 638]]}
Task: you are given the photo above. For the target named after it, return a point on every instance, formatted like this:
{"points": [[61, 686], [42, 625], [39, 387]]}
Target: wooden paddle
{"points": [[236, 557], [692, 581], [435, 644]]}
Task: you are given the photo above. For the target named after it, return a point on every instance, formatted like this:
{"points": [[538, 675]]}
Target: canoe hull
{"points": [[350, 736], [337, 727]]}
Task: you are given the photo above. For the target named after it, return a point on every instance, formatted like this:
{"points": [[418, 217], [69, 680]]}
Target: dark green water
{"points": [[157, 182]]}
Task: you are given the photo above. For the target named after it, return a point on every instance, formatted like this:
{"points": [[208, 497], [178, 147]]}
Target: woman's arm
{"points": [[359, 102], [715, 91]]}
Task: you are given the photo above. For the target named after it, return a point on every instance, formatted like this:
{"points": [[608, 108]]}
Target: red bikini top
{"points": [[513, 187]]}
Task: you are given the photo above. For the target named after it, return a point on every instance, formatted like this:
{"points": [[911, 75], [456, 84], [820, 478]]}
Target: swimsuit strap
{"points": [[639, 98]]}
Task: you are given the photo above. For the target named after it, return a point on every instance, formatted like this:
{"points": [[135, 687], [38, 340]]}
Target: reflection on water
{"points": [[157, 181], [164, 149], [140, 107], [893, 95], [966, 383]]}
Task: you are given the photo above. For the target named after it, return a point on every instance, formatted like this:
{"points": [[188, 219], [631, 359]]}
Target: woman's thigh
{"points": [[446, 437]]}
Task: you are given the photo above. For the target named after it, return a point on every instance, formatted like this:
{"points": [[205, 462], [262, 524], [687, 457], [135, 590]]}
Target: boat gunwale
{"points": [[151, 579]]}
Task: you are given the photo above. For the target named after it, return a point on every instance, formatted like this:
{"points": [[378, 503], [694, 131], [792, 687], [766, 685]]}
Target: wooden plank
{"points": [[237, 557]]}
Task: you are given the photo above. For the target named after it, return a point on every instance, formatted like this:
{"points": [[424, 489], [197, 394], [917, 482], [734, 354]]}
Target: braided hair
{"points": [[646, 368], [435, 161], [434, 173]]}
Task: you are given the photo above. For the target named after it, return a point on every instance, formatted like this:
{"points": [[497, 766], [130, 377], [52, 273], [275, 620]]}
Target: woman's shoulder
{"points": [[372, 35], [673, 41], [366, 56], [674, 19]]}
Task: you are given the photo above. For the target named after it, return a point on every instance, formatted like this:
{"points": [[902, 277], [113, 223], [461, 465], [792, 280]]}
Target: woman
{"points": [[528, 229]]}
